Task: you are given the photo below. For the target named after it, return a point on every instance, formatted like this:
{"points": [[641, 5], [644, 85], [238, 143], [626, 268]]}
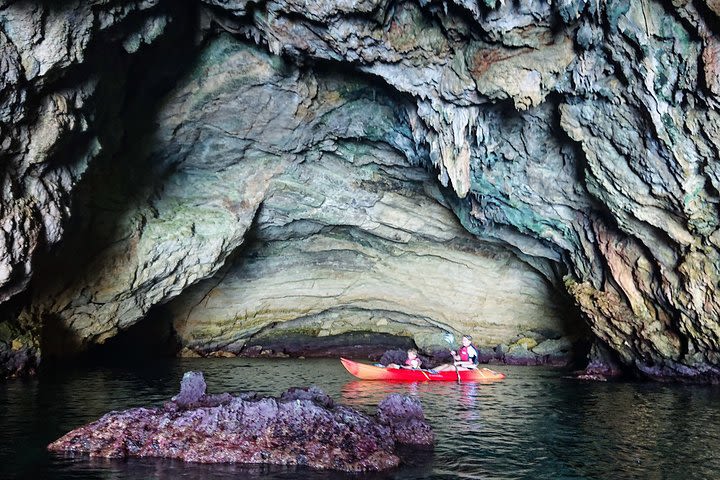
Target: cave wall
{"points": [[66, 69], [579, 137], [350, 235], [349, 232]]}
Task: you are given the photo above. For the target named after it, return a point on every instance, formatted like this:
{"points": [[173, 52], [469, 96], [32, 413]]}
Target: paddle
{"points": [[450, 338]]}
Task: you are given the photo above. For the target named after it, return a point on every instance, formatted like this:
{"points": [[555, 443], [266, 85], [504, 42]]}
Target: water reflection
{"points": [[358, 393], [163, 469], [461, 399]]}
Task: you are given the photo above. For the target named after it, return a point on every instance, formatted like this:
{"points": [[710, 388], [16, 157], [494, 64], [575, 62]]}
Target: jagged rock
{"points": [[62, 86], [339, 212], [601, 366], [580, 136], [554, 350], [192, 388], [404, 416], [302, 427]]}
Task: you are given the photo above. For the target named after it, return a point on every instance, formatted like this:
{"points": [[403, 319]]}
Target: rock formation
{"points": [[574, 141], [302, 427]]}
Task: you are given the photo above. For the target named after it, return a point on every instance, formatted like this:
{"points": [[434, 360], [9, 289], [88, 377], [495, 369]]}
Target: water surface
{"points": [[535, 424]]}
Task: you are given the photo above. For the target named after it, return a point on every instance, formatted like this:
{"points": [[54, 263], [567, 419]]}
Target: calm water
{"points": [[534, 424]]}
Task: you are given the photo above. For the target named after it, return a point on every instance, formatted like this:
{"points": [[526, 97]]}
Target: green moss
{"points": [[516, 213], [6, 333], [527, 342], [295, 331]]}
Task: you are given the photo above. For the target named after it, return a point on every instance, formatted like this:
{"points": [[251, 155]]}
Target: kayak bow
{"points": [[371, 372]]}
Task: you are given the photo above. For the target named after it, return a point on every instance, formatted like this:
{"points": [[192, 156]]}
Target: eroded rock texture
{"points": [[64, 70], [302, 427], [575, 138], [351, 235], [348, 230]]}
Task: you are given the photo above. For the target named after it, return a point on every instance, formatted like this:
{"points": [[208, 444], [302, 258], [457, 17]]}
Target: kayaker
{"points": [[412, 362], [465, 357]]}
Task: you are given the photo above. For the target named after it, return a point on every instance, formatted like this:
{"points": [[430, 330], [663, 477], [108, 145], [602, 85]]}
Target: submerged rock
{"points": [[302, 427], [601, 366]]}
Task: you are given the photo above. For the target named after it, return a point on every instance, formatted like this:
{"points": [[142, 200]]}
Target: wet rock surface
{"points": [[302, 427], [602, 366]]}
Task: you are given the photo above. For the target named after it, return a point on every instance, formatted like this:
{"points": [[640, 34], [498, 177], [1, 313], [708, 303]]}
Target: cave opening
{"points": [[318, 187]]}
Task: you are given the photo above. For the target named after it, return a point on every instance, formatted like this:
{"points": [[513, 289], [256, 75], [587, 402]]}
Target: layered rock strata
{"points": [[580, 136], [348, 233], [302, 427], [354, 238]]}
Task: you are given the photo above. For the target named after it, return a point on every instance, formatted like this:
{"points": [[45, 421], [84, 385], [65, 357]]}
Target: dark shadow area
{"points": [[128, 96], [56, 339], [151, 338], [370, 345]]}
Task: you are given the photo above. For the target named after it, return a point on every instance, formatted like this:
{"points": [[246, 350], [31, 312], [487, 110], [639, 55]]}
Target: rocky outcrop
{"points": [[578, 138], [302, 427]]}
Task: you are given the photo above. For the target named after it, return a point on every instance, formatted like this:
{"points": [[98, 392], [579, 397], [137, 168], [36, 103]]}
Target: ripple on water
{"points": [[534, 424]]}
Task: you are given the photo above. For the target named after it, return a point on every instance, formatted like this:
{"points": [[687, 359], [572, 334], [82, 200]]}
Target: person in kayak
{"points": [[466, 356], [412, 362]]}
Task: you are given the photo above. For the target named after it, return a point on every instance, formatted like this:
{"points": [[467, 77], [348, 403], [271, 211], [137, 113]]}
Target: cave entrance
{"points": [[301, 199]]}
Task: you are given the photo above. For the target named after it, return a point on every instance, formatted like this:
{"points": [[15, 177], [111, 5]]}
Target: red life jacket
{"points": [[465, 356]]}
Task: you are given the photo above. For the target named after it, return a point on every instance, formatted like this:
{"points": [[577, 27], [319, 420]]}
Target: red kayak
{"points": [[371, 372]]}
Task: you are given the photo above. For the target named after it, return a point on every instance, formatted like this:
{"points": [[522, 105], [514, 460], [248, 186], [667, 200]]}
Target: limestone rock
{"points": [[519, 354], [192, 389], [57, 87], [302, 427], [576, 139], [553, 346], [348, 234]]}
